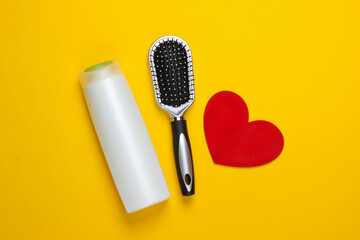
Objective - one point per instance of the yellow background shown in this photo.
(295, 63)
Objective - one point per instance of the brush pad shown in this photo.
(171, 66)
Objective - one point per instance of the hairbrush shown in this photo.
(173, 80)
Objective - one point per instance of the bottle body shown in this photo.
(124, 139)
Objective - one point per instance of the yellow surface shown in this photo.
(296, 64)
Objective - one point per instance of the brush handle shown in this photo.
(183, 157)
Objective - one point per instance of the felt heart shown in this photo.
(233, 140)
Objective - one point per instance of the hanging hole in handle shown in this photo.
(187, 179)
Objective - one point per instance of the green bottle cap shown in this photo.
(98, 66)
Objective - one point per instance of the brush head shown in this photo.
(172, 73)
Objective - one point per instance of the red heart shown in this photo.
(232, 139)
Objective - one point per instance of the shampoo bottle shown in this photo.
(123, 137)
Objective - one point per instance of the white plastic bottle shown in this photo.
(123, 137)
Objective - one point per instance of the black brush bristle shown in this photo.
(171, 65)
